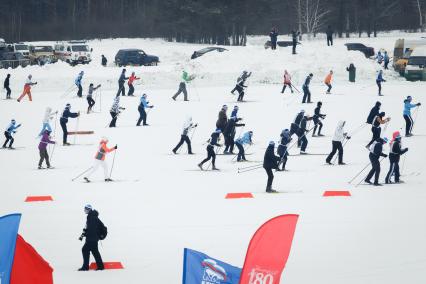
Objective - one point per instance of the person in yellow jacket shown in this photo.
(327, 81)
(100, 159)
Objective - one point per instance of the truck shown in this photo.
(402, 51)
(73, 52)
(416, 66)
(42, 54)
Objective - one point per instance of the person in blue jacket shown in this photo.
(379, 57)
(274, 38)
(376, 151)
(240, 142)
(234, 111)
(282, 150)
(213, 141)
(386, 60)
(64, 120)
(78, 84)
(379, 81)
(8, 133)
(306, 91)
(270, 161)
(407, 115)
(141, 108)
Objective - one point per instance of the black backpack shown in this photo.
(102, 231)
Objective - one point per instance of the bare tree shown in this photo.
(313, 16)
(419, 9)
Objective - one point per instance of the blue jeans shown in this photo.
(46, 126)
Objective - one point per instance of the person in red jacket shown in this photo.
(130, 83)
(100, 159)
(287, 82)
(27, 89)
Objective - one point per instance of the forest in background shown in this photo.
(224, 22)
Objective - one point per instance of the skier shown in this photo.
(78, 84)
(182, 86)
(327, 81)
(104, 61)
(100, 159)
(115, 110)
(91, 232)
(294, 36)
(240, 89)
(375, 127)
(229, 134)
(287, 82)
(339, 136)
(132, 78)
(244, 76)
(395, 153)
(48, 116)
(270, 161)
(294, 127)
(317, 119)
(352, 72)
(234, 111)
(213, 141)
(306, 91)
(27, 89)
(121, 81)
(64, 120)
(222, 119)
(329, 33)
(90, 100)
(8, 133)
(376, 151)
(187, 126)
(282, 150)
(274, 37)
(6, 86)
(301, 134)
(240, 142)
(374, 112)
(386, 60)
(142, 113)
(379, 81)
(379, 57)
(407, 115)
(42, 147)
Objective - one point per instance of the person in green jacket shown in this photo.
(186, 78)
(352, 72)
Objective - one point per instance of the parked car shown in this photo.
(203, 51)
(73, 52)
(416, 66)
(368, 51)
(21, 48)
(13, 60)
(42, 54)
(135, 57)
(401, 63)
(2, 43)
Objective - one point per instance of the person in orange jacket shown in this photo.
(287, 82)
(100, 159)
(327, 81)
(130, 83)
(27, 89)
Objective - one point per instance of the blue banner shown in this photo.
(9, 225)
(199, 268)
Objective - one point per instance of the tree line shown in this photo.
(224, 22)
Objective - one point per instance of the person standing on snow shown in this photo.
(329, 33)
(376, 151)
(294, 36)
(90, 101)
(100, 159)
(64, 120)
(317, 119)
(115, 111)
(339, 136)
(240, 142)
(407, 115)
(240, 89)
(222, 119)
(142, 113)
(295, 125)
(244, 76)
(182, 86)
(78, 84)
(394, 155)
(6, 86)
(373, 113)
(229, 134)
(27, 89)
(379, 57)
(287, 82)
(213, 141)
(327, 81)
(375, 127)
(274, 38)
(282, 150)
(48, 116)
(187, 126)
(306, 91)
(301, 134)
(386, 60)
(130, 83)
(379, 81)
(234, 111)
(121, 82)
(42, 147)
(91, 233)
(352, 72)
(8, 133)
(270, 161)
(104, 61)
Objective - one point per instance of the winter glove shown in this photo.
(384, 155)
(115, 147)
(348, 137)
(98, 86)
(243, 124)
(195, 125)
(151, 106)
(419, 104)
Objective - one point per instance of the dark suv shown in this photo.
(368, 51)
(13, 60)
(135, 57)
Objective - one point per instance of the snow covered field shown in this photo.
(161, 203)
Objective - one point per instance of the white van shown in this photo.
(73, 52)
(416, 66)
(22, 48)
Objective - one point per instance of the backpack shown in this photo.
(102, 231)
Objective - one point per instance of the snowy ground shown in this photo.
(161, 203)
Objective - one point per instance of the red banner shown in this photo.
(268, 251)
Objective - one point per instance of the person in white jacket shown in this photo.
(48, 116)
(339, 136)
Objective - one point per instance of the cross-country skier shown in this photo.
(386, 60)
(243, 77)
(329, 33)
(8, 133)
(240, 142)
(90, 100)
(287, 82)
(317, 119)
(115, 111)
(294, 36)
(407, 115)
(121, 82)
(27, 89)
(375, 127)
(234, 111)
(379, 81)
(100, 159)
(301, 134)
(78, 84)
(104, 61)
(240, 89)
(91, 232)
(142, 113)
(132, 78)
(283, 148)
(42, 147)
(306, 91)
(379, 57)
(295, 125)
(374, 112)
(274, 38)
(48, 116)
(6, 86)
(182, 86)
(339, 136)
(64, 120)
(187, 126)
(376, 151)
(222, 119)
(213, 141)
(394, 155)
(352, 72)
(327, 81)
(270, 161)
(229, 134)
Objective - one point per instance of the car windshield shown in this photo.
(417, 60)
(80, 48)
(43, 48)
(21, 47)
(407, 54)
(141, 53)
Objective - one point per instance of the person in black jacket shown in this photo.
(329, 33)
(282, 150)
(222, 119)
(317, 119)
(91, 233)
(374, 112)
(301, 134)
(376, 151)
(306, 91)
(7, 87)
(294, 36)
(121, 82)
(64, 120)
(240, 89)
(376, 126)
(229, 134)
(274, 38)
(270, 161)
(395, 153)
(210, 150)
(104, 61)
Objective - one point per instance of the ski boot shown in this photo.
(108, 180)
(87, 180)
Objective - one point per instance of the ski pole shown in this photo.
(366, 166)
(291, 84)
(380, 161)
(192, 135)
(343, 147)
(249, 167)
(54, 133)
(245, 149)
(359, 128)
(210, 162)
(415, 118)
(76, 128)
(115, 116)
(82, 173)
(112, 166)
(240, 171)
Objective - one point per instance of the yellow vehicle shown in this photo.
(401, 63)
(402, 51)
